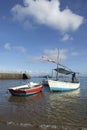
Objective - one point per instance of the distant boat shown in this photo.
(60, 85)
(45, 82)
(27, 89)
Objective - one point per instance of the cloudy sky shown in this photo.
(30, 29)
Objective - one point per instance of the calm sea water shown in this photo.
(45, 110)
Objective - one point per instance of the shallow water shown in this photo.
(45, 110)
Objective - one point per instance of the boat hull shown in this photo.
(62, 85)
(25, 90)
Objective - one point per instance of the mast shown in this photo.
(56, 62)
(57, 77)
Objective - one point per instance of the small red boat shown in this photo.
(25, 90)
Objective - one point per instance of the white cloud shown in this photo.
(53, 54)
(7, 46)
(34, 59)
(20, 48)
(75, 54)
(48, 13)
(66, 37)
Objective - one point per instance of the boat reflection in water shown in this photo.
(27, 99)
(67, 94)
(63, 98)
(65, 108)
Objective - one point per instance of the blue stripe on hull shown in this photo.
(22, 94)
(62, 89)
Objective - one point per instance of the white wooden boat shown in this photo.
(27, 89)
(60, 85)
(63, 85)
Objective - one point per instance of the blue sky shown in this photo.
(31, 29)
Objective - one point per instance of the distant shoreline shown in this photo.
(14, 76)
